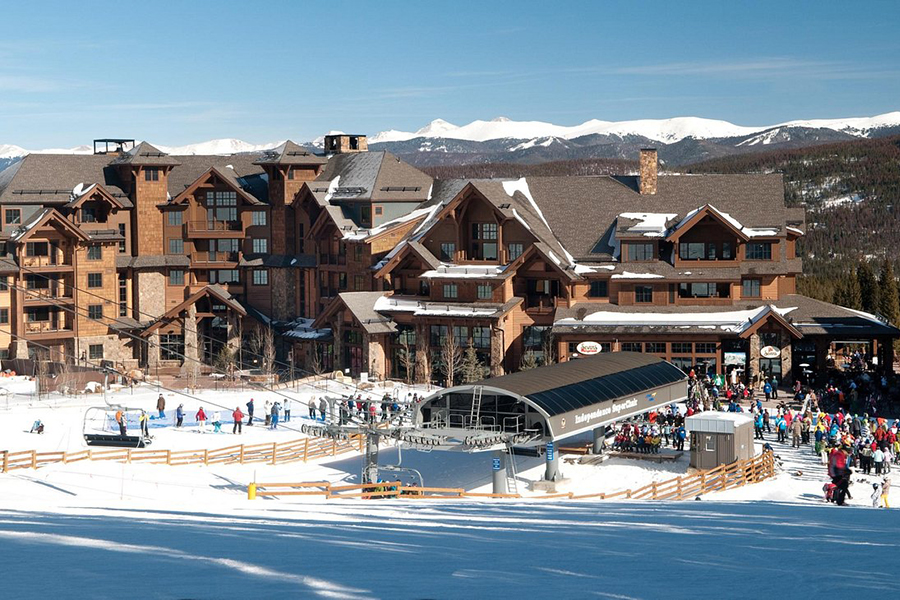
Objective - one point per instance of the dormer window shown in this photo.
(151, 174)
(88, 214)
(13, 216)
(759, 251)
(640, 252)
(484, 241)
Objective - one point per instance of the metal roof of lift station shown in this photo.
(560, 400)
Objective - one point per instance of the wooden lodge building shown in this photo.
(357, 260)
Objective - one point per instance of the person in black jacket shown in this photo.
(250, 412)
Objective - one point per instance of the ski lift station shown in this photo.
(540, 407)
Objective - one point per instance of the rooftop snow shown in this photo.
(735, 321)
(451, 271)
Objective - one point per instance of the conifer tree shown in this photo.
(848, 293)
(868, 287)
(889, 302)
(470, 368)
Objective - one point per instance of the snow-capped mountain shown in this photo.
(660, 130)
(220, 146)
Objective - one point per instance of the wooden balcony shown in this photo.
(47, 263)
(51, 295)
(215, 259)
(215, 229)
(47, 330)
(539, 304)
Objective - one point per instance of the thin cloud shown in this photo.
(28, 84)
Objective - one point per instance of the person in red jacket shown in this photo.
(238, 417)
(840, 473)
(201, 420)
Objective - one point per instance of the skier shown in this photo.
(876, 494)
(179, 415)
(322, 407)
(312, 408)
(201, 420)
(238, 417)
(287, 410)
(120, 419)
(885, 491)
(840, 473)
(217, 424)
(144, 420)
(161, 406)
(268, 413)
(682, 434)
(276, 407)
(250, 412)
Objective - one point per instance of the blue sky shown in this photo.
(181, 72)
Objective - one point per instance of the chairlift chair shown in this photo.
(100, 428)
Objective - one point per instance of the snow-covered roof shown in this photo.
(716, 421)
(451, 271)
(747, 231)
(427, 308)
(734, 321)
(648, 224)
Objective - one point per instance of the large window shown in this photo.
(750, 288)
(95, 352)
(451, 292)
(89, 214)
(176, 277)
(224, 276)
(702, 290)
(4, 316)
(95, 280)
(171, 346)
(260, 277)
(221, 206)
(682, 347)
(484, 241)
(599, 289)
(485, 291)
(643, 294)
(123, 295)
(151, 174)
(515, 250)
(13, 216)
(95, 311)
(122, 241)
(37, 249)
(437, 333)
(260, 245)
(95, 252)
(448, 251)
(176, 246)
(481, 337)
(655, 347)
(175, 218)
(632, 347)
(259, 218)
(638, 252)
(759, 251)
(705, 347)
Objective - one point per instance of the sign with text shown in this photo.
(589, 348)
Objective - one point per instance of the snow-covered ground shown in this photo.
(105, 530)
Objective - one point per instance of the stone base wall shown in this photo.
(281, 284)
(120, 351)
(151, 294)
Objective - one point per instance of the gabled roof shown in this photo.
(362, 306)
(226, 176)
(763, 317)
(49, 179)
(44, 217)
(288, 154)
(215, 291)
(146, 155)
(698, 214)
(95, 190)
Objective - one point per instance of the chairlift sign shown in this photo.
(589, 348)
(769, 352)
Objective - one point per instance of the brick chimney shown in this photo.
(649, 167)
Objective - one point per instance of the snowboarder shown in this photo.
(161, 406)
(238, 417)
(250, 412)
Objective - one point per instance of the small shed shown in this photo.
(719, 438)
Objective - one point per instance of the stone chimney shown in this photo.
(649, 167)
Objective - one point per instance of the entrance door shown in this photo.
(770, 366)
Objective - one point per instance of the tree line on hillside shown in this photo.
(562, 168)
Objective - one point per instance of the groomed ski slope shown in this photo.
(357, 549)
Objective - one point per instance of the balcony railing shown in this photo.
(52, 293)
(210, 229)
(332, 259)
(539, 303)
(45, 261)
(215, 257)
(39, 327)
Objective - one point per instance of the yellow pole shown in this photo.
(251, 491)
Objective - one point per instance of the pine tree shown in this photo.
(868, 287)
(470, 368)
(848, 293)
(889, 302)
(529, 361)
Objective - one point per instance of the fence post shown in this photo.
(169, 457)
(6, 461)
(65, 458)
(702, 482)
(34, 459)
(205, 456)
(274, 446)
(653, 490)
(333, 446)
(305, 449)
(679, 488)
(242, 454)
(128, 456)
(360, 438)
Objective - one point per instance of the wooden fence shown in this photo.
(683, 487)
(305, 449)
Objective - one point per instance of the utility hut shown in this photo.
(719, 438)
